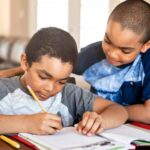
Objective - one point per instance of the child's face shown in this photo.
(121, 46)
(46, 77)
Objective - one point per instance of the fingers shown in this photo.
(54, 117)
(54, 122)
(44, 123)
(91, 124)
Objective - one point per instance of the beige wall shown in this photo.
(4, 17)
(18, 18)
(113, 4)
(74, 20)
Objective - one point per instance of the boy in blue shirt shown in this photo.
(47, 62)
(121, 70)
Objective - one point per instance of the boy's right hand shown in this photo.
(43, 123)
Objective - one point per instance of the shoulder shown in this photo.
(146, 66)
(146, 60)
(77, 100)
(96, 45)
(71, 91)
(94, 49)
(13, 81)
(8, 85)
(88, 56)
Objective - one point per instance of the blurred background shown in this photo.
(20, 19)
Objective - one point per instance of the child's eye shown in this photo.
(43, 77)
(62, 82)
(126, 52)
(106, 41)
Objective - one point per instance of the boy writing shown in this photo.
(47, 63)
(121, 70)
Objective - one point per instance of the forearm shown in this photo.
(39, 123)
(12, 124)
(139, 112)
(11, 72)
(114, 115)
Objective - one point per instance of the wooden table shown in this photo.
(5, 146)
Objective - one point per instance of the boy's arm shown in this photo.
(105, 115)
(11, 72)
(112, 113)
(139, 112)
(40, 123)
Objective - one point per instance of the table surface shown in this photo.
(5, 146)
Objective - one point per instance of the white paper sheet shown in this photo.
(126, 134)
(69, 138)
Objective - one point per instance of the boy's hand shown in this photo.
(43, 123)
(90, 124)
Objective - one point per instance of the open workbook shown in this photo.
(68, 138)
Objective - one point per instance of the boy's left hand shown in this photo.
(91, 124)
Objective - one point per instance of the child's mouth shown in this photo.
(42, 96)
(113, 62)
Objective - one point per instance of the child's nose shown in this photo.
(112, 53)
(49, 86)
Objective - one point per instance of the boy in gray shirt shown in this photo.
(47, 62)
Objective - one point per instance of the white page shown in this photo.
(126, 134)
(70, 138)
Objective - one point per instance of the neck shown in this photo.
(22, 81)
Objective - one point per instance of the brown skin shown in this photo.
(45, 80)
(121, 46)
(48, 77)
(11, 72)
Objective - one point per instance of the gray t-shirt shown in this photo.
(70, 104)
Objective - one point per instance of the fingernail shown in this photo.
(89, 134)
(75, 125)
(79, 130)
(84, 131)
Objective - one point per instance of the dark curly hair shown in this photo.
(53, 42)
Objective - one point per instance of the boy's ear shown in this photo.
(24, 63)
(145, 47)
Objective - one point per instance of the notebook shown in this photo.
(68, 138)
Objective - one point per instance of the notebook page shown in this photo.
(69, 138)
(126, 133)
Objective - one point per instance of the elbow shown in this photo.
(126, 115)
(146, 118)
(123, 114)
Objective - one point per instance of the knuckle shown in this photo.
(94, 114)
(42, 128)
(85, 114)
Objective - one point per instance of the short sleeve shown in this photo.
(77, 100)
(146, 82)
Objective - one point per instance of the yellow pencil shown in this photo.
(10, 141)
(36, 98)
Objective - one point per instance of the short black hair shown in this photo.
(53, 42)
(133, 15)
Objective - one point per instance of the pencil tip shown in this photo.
(28, 86)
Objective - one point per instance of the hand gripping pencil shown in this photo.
(36, 98)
